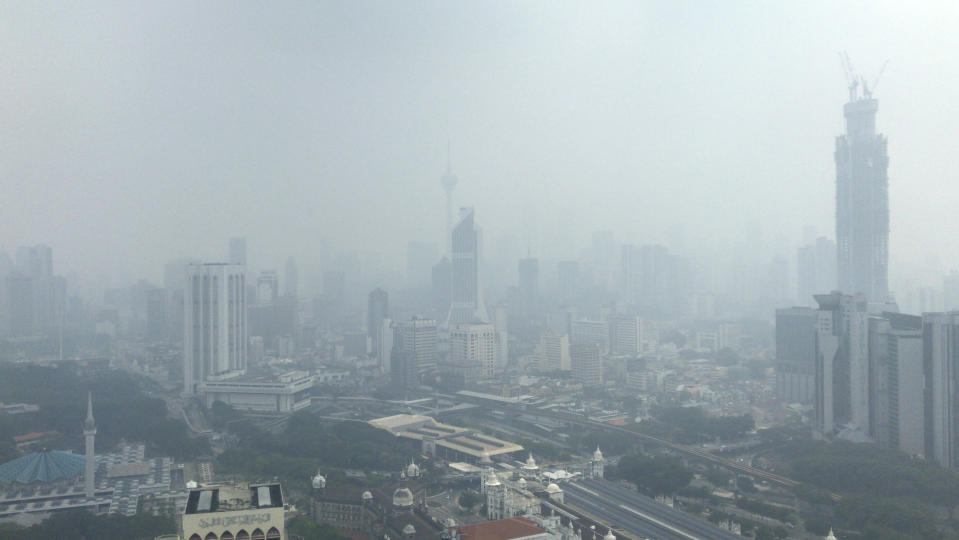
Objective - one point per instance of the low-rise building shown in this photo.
(234, 511)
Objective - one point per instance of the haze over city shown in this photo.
(160, 131)
(526, 270)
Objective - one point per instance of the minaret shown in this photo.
(449, 182)
(89, 431)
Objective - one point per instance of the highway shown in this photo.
(641, 511)
(621, 520)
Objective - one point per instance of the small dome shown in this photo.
(493, 480)
(831, 535)
(598, 454)
(367, 496)
(409, 530)
(486, 458)
(531, 463)
(413, 470)
(319, 481)
(522, 482)
(553, 488)
(403, 498)
(609, 535)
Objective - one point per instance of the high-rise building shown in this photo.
(377, 309)
(417, 339)
(569, 280)
(385, 339)
(842, 363)
(796, 354)
(89, 434)
(941, 404)
(473, 348)
(267, 288)
(501, 324)
(466, 295)
(631, 336)
(554, 352)
(862, 200)
(215, 326)
(897, 382)
(653, 280)
(587, 364)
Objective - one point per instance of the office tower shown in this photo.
(377, 310)
(554, 352)
(403, 372)
(385, 340)
(586, 332)
(267, 287)
(815, 270)
(587, 364)
(46, 292)
(604, 259)
(796, 354)
(417, 338)
(501, 324)
(631, 336)
(862, 200)
(215, 326)
(89, 433)
(897, 385)
(291, 287)
(420, 257)
(940, 334)
(174, 286)
(238, 251)
(466, 295)
(528, 287)
(842, 363)
(448, 181)
(473, 348)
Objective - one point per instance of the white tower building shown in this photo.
(215, 334)
(89, 432)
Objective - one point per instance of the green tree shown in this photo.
(658, 475)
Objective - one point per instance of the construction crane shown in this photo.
(866, 89)
(852, 78)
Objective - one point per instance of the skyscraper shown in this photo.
(416, 338)
(377, 309)
(796, 354)
(897, 382)
(89, 433)
(215, 329)
(842, 362)
(862, 200)
(941, 367)
(466, 295)
(587, 364)
(473, 349)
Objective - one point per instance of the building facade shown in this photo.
(215, 330)
(796, 354)
(466, 295)
(862, 201)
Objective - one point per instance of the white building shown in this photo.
(554, 352)
(587, 364)
(215, 331)
(474, 345)
(286, 393)
(631, 335)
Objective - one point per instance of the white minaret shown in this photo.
(449, 182)
(89, 431)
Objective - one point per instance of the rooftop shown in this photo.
(229, 497)
(41, 467)
(502, 529)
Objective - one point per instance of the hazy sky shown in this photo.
(135, 132)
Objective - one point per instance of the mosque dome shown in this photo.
(413, 470)
(366, 496)
(403, 498)
(47, 466)
(522, 483)
(553, 488)
(409, 529)
(598, 454)
(530, 462)
(609, 535)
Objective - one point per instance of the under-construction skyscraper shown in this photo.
(862, 199)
